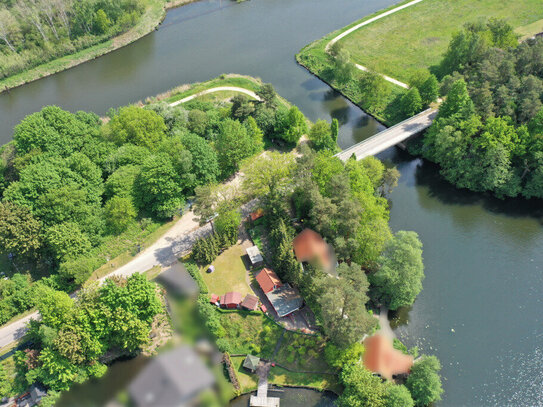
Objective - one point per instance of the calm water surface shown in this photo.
(480, 310)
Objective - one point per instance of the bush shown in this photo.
(227, 226)
(195, 273)
(79, 270)
(205, 250)
(224, 345)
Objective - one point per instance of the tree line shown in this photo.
(33, 32)
(75, 190)
(488, 136)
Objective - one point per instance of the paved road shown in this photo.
(218, 89)
(176, 242)
(390, 137)
(364, 23)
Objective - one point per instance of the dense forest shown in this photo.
(78, 191)
(489, 132)
(36, 31)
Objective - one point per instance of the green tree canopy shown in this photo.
(424, 381)
(19, 229)
(321, 136)
(399, 279)
(227, 225)
(362, 388)
(343, 305)
(158, 186)
(55, 130)
(398, 396)
(205, 164)
(137, 126)
(411, 103)
(66, 241)
(120, 213)
(233, 145)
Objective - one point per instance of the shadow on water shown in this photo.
(427, 175)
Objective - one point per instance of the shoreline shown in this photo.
(380, 120)
(92, 52)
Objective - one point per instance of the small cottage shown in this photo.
(255, 257)
(230, 300)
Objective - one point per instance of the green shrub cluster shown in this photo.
(72, 336)
(195, 273)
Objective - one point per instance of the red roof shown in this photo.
(268, 280)
(231, 298)
(214, 298)
(309, 245)
(250, 302)
(257, 214)
(381, 357)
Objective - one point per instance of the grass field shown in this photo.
(230, 273)
(417, 36)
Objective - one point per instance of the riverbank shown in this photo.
(150, 20)
(380, 48)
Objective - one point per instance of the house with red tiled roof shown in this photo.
(268, 280)
(309, 246)
(380, 357)
(230, 300)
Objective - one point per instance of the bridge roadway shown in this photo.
(390, 137)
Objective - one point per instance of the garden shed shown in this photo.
(250, 302)
(230, 300)
(255, 257)
(251, 363)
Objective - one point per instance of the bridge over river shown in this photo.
(390, 137)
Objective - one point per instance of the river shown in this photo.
(480, 310)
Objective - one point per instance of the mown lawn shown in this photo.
(230, 273)
(223, 80)
(417, 36)
(247, 380)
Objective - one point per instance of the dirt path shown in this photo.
(218, 89)
(364, 23)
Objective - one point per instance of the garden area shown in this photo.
(230, 273)
(249, 332)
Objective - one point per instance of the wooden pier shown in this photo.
(261, 399)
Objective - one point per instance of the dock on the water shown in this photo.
(264, 401)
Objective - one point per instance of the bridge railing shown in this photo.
(380, 134)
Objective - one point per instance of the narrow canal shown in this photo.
(480, 310)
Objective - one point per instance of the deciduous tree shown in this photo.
(399, 279)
